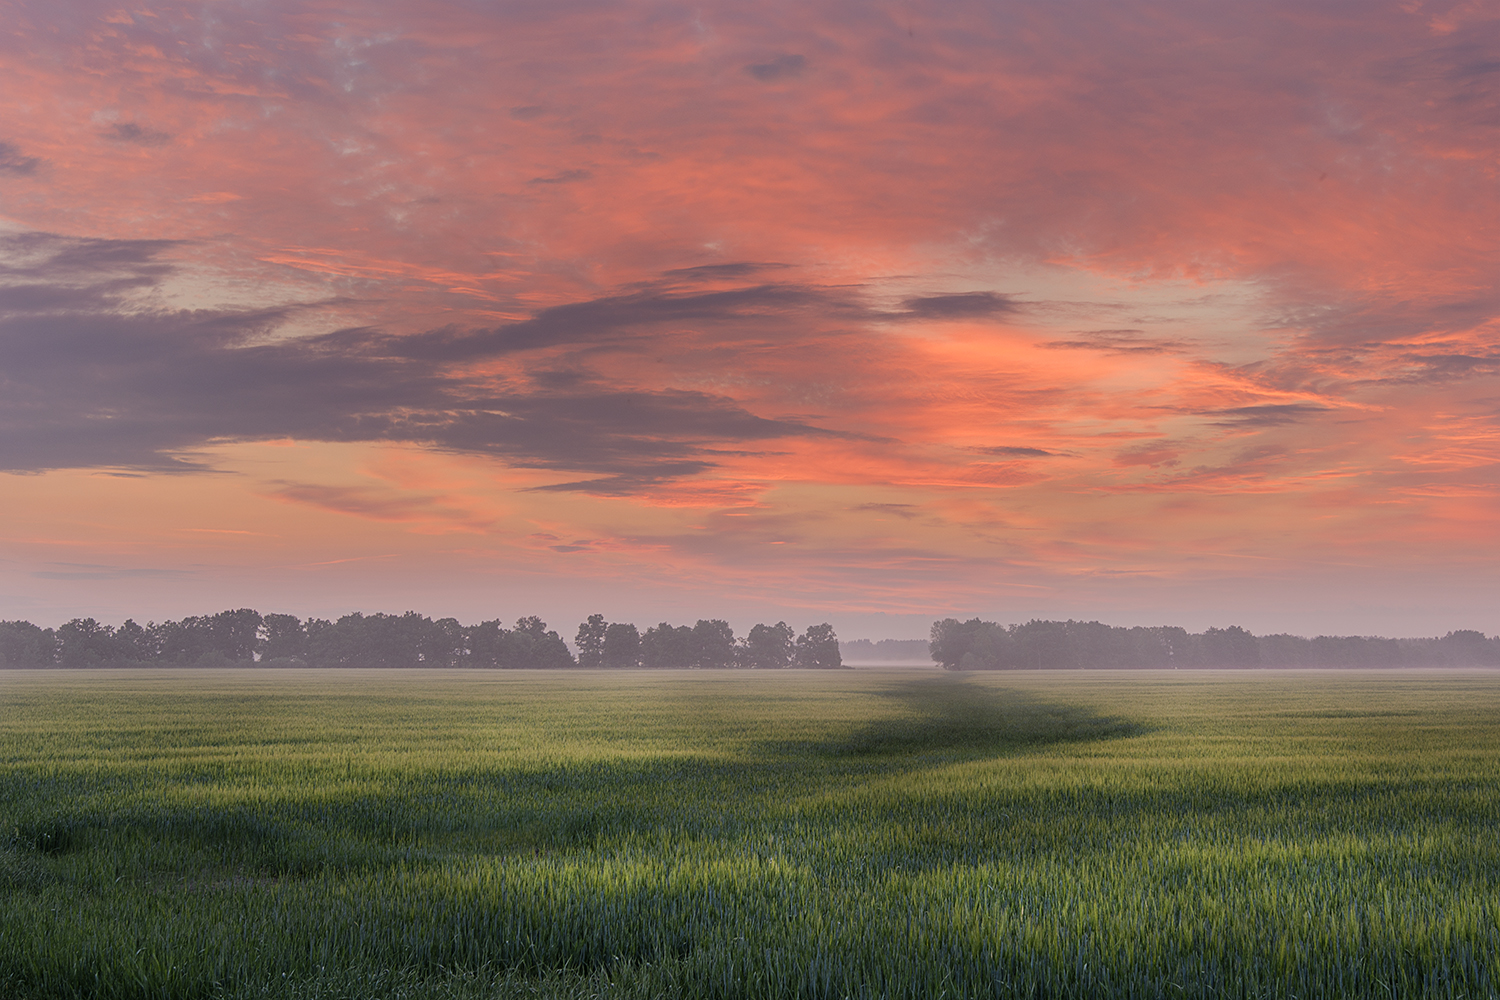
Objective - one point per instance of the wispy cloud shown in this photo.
(93, 571)
(1266, 414)
(137, 134)
(781, 67)
(1017, 451)
(1123, 342)
(15, 163)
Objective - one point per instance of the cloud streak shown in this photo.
(157, 384)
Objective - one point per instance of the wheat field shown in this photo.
(869, 833)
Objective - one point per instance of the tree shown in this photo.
(622, 646)
(1229, 647)
(551, 653)
(1041, 645)
(319, 633)
(23, 644)
(989, 648)
(531, 644)
(485, 643)
(713, 644)
(132, 642)
(1468, 647)
(84, 642)
(667, 647)
(771, 647)
(235, 634)
(951, 639)
(1178, 645)
(227, 636)
(531, 625)
(180, 642)
(445, 644)
(378, 640)
(282, 638)
(819, 647)
(590, 641)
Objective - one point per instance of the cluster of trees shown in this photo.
(710, 644)
(981, 645)
(244, 637)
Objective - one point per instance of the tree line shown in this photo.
(708, 644)
(245, 637)
(1047, 645)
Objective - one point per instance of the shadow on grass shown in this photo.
(556, 810)
(20, 872)
(951, 714)
(50, 836)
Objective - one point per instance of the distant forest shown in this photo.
(246, 638)
(981, 645)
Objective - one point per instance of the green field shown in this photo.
(179, 833)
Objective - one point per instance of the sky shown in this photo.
(1145, 311)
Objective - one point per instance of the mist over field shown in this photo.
(903, 651)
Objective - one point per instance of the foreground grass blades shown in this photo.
(353, 834)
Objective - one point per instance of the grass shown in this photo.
(312, 834)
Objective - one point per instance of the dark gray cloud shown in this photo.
(1011, 451)
(625, 484)
(722, 272)
(959, 306)
(1446, 367)
(1266, 414)
(1120, 342)
(902, 510)
(87, 382)
(1456, 78)
(14, 162)
(364, 503)
(137, 134)
(647, 435)
(1364, 322)
(66, 260)
(610, 319)
(563, 177)
(788, 64)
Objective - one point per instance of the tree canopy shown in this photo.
(1052, 645)
(244, 637)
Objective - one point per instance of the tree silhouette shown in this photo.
(667, 647)
(282, 638)
(819, 647)
(622, 646)
(713, 644)
(590, 641)
(771, 647)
